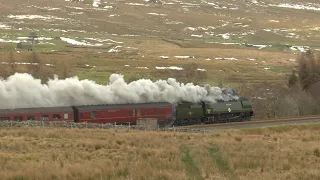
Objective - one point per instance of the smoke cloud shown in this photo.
(23, 91)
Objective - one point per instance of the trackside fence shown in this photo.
(71, 125)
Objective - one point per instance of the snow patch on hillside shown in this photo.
(44, 8)
(183, 57)
(167, 21)
(104, 40)
(96, 3)
(25, 63)
(199, 28)
(199, 69)
(170, 67)
(164, 57)
(142, 67)
(3, 26)
(296, 6)
(74, 42)
(196, 35)
(223, 58)
(115, 49)
(38, 38)
(74, 7)
(62, 30)
(300, 48)
(136, 4)
(225, 36)
(156, 14)
(9, 41)
(47, 17)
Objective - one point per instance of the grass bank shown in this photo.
(284, 152)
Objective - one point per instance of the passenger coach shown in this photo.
(123, 113)
(38, 114)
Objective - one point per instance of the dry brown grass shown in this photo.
(284, 152)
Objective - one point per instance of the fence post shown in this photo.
(158, 127)
(129, 125)
(10, 123)
(42, 124)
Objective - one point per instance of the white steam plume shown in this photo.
(23, 91)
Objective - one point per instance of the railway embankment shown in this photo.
(205, 128)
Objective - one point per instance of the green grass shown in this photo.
(58, 46)
(98, 77)
(87, 1)
(102, 77)
(192, 169)
(220, 161)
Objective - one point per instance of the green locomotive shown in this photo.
(209, 113)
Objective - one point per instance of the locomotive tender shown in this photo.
(167, 114)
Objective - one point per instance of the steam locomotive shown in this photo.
(211, 113)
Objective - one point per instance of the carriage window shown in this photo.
(56, 116)
(66, 116)
(31, 118)
(18, 118)
(44, 117)
(139, 112)
(4, 118)
(133, 113)
(93, 114)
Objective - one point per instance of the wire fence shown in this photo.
(84, 125)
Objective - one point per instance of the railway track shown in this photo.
(256, 122)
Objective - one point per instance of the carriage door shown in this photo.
(76, 114)
(138, 113)
(133, 114)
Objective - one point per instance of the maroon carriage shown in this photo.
(124, 113)
(38, 114)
